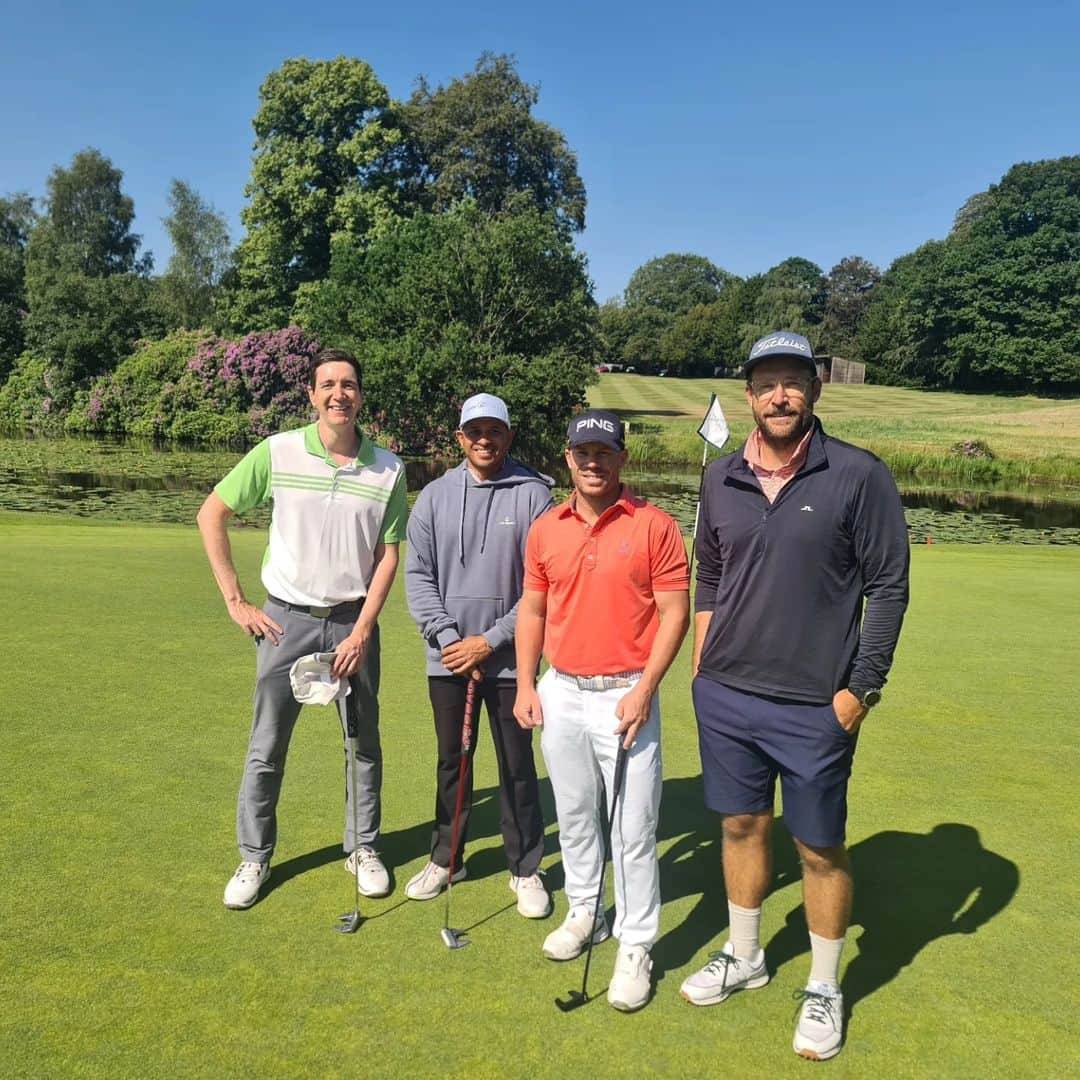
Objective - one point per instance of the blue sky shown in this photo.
(747, 136)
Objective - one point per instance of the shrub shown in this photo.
(135, 399)
(29, 397)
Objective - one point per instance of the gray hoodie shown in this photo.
(466, 559)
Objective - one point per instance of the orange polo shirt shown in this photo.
(601, 580)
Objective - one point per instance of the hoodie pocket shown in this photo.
(474, 614)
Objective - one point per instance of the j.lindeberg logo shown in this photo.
(808, 508)
(507, 520)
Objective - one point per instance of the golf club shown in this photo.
(580, 997)
(456, 939)
(349, 923)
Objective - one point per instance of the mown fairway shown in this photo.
(1041, 434)
(125, 720)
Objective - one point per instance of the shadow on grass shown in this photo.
(284, 872)
(692, 867)
(910, 890)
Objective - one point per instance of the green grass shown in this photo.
(125, 722)
(1033, 439)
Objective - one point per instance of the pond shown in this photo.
(136, 481)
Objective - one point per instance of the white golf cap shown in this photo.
(312, 682)
(484, 405)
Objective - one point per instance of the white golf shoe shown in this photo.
(374, 880)
(533, 901)
(430, 882)
(243, 888)
(631, 983)
(570, 939)
(723, 975)
(819, 1034)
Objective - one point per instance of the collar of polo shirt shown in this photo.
(627, 500)
(313, 445)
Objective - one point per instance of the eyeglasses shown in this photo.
(793, 386)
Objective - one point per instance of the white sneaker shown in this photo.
(630, 985)
(819, 1034)
(430, 882)
(570, 939)
(532, 898)
(243, 888)
(723, 975)
(374, 880)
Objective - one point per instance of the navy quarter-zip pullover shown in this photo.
(786, 582)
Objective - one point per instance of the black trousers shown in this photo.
(519, 793)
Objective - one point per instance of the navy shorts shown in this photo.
(748, 740)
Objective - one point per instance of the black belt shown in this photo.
(313, 609)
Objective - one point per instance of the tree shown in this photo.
(709, 336)
(322, 135)
(88, 291)
(441, 306)
(792, 297)
(676, 283)
(87, 225)
(201, 256)
(848, 288)
(477, 138)
(901, 333)
(16, 220)
(996, 305)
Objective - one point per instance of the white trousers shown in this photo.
(579, 745)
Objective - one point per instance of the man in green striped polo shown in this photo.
(339, 516)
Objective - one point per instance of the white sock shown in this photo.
(825, 960)
(745, 926)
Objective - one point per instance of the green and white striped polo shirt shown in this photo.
(327, 518)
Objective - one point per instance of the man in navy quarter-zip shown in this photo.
(797, 532)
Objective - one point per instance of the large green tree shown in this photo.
(476, 138)
(675, 283)
(441, 306)
(88, 291)
(791, 297)
(323, 131)
(200, 258)
(16, 220)
(996, 305)
(848, 287)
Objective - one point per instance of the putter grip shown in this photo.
(470, 715)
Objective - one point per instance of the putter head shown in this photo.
(574, 1001)
(453, 939)
(349, 923)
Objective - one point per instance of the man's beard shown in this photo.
(786, 442)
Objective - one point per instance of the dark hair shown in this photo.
(334, 356)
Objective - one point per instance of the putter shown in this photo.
(580, 997)
(456, 939)
(350, 922)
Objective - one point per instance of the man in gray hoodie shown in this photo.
(463, 579)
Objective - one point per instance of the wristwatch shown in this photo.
(867, 698)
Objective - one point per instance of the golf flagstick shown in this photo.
(580, 997)
(714, 431)
(455, 939)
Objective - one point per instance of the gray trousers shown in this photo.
(276, 712)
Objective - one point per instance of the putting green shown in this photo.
(125, 722)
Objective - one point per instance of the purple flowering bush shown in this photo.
(206, 389)
(262, 378)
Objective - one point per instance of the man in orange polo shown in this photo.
(607, 601)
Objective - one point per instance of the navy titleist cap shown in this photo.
(781, 343)
(596, 425)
